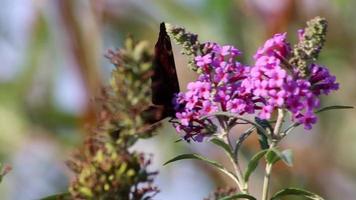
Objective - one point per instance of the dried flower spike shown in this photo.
(189, 42)
(105, 167)
(311, 41)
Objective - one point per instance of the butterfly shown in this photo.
(164, 86)
(164, 80)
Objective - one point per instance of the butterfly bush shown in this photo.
(271, 83)
(218, 88)
(282, 80)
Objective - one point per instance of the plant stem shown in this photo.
(266, 181)
(268, 168)
(277, 127)
(241, 185)
(238, 171)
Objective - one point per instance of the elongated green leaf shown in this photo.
(253, 163)
(192, 156)
(238, 196)
(296, 192)
(336, 107)
(206, 160)
(262, 137)
(219, 142)
(61, 196)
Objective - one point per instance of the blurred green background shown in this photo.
(53, 65)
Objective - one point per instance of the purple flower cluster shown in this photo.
(269, 79)
(227, 85)
(218, 88)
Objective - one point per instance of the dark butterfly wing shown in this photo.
(164, 79)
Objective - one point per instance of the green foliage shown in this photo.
(193, 156)
(206, 160)
(239, 196)
(327, 108)
(273, 155)
(262, 137)
(336, 107)
(253, 163)
(296, 192)
(226, 147)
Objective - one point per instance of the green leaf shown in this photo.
(238, 196)
(296, 192)
(61, 196)
(201, 158)
(253, 163)
(192, 156)
(274, 155)
(219, 142)
(336, 107)
(262, 137)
